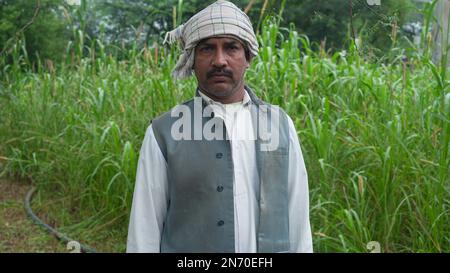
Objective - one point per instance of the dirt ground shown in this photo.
(17, 232)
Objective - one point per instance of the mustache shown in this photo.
(219, 72)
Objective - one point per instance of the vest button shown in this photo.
(220, 223)
(219, 155)
(219, 188)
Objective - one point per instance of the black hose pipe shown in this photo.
(62, 237)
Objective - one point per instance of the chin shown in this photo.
(220, 90)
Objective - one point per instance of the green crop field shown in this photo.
(374, 135)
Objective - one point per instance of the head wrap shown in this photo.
(222, 18)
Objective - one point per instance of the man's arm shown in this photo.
(299, 226)
(150, 198)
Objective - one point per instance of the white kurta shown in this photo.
(151, 190)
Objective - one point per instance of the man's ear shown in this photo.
(248, 62)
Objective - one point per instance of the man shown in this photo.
(211, 177)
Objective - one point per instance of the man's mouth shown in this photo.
(220, 77)
(216, 75)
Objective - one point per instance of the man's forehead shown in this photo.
(217, 39)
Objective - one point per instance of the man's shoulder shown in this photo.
(161, 124)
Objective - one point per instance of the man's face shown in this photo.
(219, 66)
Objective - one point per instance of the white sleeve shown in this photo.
(299, 226)
(150, 198)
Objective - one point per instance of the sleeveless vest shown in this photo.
(200, 215)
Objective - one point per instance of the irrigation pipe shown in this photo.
(61, 236)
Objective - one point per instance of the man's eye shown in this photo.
(206, 49)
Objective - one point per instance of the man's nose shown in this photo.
(219, 59)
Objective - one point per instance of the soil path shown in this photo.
(17, 232)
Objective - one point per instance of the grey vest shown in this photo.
(200, 215)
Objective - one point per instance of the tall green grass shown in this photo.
(374, 136)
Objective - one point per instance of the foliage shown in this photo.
(375, 137)
(41, 23)
(128, 23)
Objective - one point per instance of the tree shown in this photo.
(146, 20)
(124, 22)
(337, 20)
(40, 23)
(318, 19)
(441, 32)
